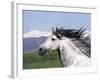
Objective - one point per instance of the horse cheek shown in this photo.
(48, 45)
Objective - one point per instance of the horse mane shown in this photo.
(75, 36)
(69, 33)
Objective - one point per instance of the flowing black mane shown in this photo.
(75, 36)
(69, 33)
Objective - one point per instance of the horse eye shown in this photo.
(53, 39)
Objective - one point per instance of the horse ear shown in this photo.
(52, 30)
(57, 29)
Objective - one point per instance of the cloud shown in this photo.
(37, 33)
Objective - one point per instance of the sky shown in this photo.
(45, 20)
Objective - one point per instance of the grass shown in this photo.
(35, 61)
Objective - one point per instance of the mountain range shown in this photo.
(32, 44)
(33, 39)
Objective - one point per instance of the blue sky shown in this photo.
(42, 20)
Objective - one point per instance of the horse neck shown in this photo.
(68, 52)
(68, 47)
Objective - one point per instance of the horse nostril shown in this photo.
(40, 49)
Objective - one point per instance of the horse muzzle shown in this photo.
(42, 51)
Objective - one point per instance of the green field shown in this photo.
(34, 60)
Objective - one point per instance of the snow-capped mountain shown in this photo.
(36, 33)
